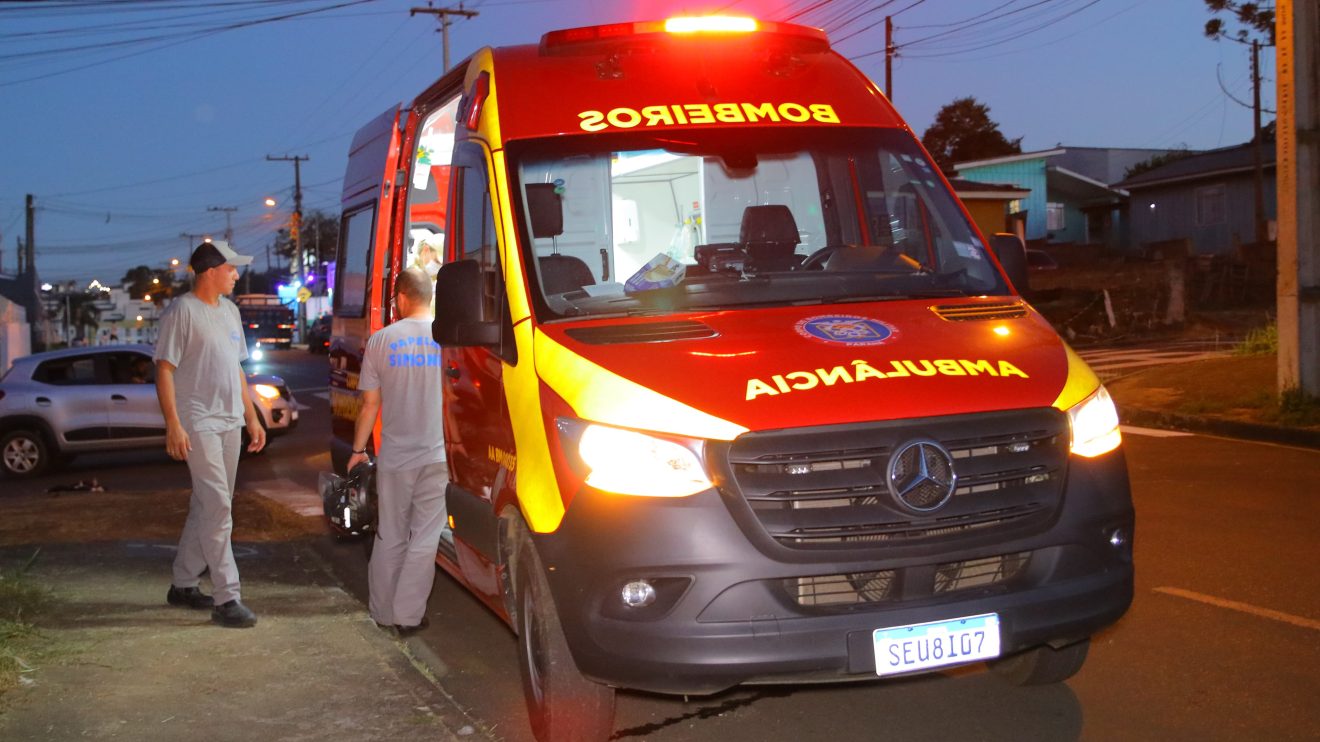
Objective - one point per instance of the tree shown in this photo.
(964, 131)
(320, 238)
(142, 281)
(1251, 16)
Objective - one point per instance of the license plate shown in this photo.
(936, 644)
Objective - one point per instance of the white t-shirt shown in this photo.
(205, 344)
(403, 362)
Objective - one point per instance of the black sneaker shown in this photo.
(189, 597)
(410, 630)
(233, 615)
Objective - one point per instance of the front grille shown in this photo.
(973, 312)
(953, 576)
(840, 590)
(912, 583)
(826, 488)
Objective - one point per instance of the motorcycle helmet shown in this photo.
(350, 502)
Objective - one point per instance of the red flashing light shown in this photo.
(715, 26)
(476, 99)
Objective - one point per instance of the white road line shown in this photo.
(1234, 605)
(311, 389)
(1152, 432)
(298, 499)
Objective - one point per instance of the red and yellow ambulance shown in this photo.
(736, 392)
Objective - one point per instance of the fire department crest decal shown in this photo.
(846, 329)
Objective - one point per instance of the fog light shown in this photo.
(638, 594)
(1117, 538)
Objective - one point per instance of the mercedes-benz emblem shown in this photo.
(921, 476)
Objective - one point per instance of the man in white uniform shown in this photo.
(203, 395)
(402, 381)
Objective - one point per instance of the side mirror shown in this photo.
(1012, 255)
(460, 307)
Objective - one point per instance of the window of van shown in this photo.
(354, 259)
(428, 194)
(622, 223)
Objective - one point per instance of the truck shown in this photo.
(735, 391)
(267, 322)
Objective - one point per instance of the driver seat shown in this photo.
(769, 235)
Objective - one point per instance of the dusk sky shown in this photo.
(125, 143)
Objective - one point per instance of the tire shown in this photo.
(24, 453)
(561, 704)
(1042, 665)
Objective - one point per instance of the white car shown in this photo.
(56, 405)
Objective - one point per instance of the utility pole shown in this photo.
(29, 240)
(889, 57)
(229, 227)
(1262, 231)
(295, 225)
(1297, 23)
(443, 15)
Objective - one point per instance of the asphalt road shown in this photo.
(1222, 641)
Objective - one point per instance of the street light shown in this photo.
(270, 201)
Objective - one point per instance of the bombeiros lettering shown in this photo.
(681, 114)
(862, 370)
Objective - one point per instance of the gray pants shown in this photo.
(411, 507)
(213, 464)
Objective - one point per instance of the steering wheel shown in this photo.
(816, 260)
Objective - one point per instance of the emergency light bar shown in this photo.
(714, 26)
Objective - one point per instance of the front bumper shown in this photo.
(727, 616)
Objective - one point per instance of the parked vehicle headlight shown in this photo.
(630, 463)
(266, 391)
(1094, 423)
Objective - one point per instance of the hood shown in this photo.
(807, 366)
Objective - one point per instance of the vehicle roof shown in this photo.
(66, 352)
(531, 85)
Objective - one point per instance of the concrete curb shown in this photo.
(1226, 428)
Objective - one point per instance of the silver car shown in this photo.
(59, 404)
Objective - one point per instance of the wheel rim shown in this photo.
(533, 649)
(21, 455)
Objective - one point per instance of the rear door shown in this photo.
(71, 395)
(360, 305)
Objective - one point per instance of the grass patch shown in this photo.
(1259, 341)
(21, 599)
(1239, 387)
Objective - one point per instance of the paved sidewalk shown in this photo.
(124, 665)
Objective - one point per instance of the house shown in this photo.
(1070, 199)
(19, 309)
(1207, 198)
(989, 203)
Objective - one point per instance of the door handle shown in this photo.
(43, 401)
(118, 398)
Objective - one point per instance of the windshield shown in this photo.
(631, 225)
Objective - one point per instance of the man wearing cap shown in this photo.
(203, 395)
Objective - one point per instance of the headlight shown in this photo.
(629, 463)
(256, 354)
(266, 391)
(1094, 423)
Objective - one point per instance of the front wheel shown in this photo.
(24, 453)
(562, 704)
(1042, 665)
